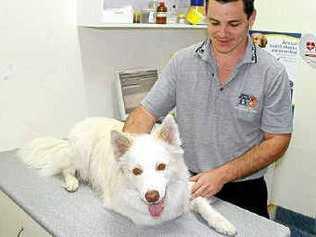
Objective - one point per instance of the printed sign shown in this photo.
(284, 46)
(308, 49)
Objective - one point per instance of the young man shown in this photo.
(233, 108)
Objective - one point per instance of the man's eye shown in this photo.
(234, 24)
(137, 171)
(214, 23)
(161, 167)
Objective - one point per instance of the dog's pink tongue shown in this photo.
(155, 210)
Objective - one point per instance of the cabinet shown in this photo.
(14, 222)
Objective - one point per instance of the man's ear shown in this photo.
(121, 143)
(168, 131)
(252, 19)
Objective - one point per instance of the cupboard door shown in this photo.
(15, 222)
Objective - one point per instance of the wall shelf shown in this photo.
(89, 15)
(144, 26)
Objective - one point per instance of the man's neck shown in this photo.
(226, 62)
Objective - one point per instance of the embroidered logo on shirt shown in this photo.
(249, 101)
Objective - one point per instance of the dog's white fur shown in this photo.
(142, 177)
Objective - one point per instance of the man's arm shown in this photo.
(260, 156)
(139, 120)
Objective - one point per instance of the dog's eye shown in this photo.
(161, 167)
(137, 171)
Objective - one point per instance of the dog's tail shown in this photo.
(47, 154)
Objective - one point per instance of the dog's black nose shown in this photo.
(152, 196)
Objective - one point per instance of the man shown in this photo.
(233, 108)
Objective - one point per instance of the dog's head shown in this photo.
(149, 161)
(259, 40)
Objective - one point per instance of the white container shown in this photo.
(148, 16)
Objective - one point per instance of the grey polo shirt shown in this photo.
(218, 123)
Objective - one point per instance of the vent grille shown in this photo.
(134, 86)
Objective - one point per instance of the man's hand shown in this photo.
(139, 120)
(207, 183)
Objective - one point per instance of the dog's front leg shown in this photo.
(213, 218)
(71, 182)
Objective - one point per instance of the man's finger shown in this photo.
(195, 177)
(207, 192)
(195, 187)
(199, 192)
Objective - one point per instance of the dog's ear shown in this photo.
(168, 131)
(121, 143)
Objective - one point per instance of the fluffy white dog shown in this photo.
(142, 177)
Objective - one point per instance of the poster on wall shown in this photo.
(308, 49)
(285, 47)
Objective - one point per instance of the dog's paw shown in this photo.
(72, 185)
(225, 227)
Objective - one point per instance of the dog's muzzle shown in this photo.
(155, 208)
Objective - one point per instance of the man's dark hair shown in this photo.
(248, 5)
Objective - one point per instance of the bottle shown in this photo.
(172, 15)
(152, 8)
(137, 16)
(181, 18)
(161, 13)
(196, 12)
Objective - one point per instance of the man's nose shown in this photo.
(222, 31)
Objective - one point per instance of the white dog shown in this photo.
(142, 177)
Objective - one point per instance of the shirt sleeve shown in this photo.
(277, 116)
(161, 99)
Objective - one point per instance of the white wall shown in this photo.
(105, 51)
(41, 82)
(44, 89)
(295, 176)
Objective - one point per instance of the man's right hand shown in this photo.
(139, 120)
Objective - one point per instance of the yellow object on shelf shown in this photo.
(196, 15)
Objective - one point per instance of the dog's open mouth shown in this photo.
(156, 209)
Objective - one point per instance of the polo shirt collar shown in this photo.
(204, 52)
(251, 53)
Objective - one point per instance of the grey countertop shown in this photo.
(82, 214)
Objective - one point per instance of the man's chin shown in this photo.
(224, 49)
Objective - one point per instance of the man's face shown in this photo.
(228, 26)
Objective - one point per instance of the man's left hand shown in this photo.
(207, 184)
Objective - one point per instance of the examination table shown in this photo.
(54, 212)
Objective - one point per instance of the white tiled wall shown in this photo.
(294, 179)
